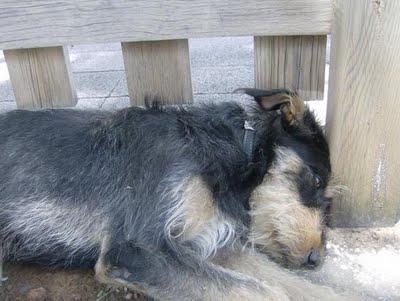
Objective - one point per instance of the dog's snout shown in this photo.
(313, 258)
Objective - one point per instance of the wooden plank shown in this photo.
(295, 62)
(158, 69)
(41, 77)
(28, 23)
(364, 112)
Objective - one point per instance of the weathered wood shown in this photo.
(41, 77)
(295, 62)
(28, 24)
(158, 69)
(364, 112)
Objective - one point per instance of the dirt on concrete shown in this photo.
(34, 283)
(365, 262)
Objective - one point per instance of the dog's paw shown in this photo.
(121, 273)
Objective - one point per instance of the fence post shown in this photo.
(295, 62)
(158, 69)
(364, 112)
(41, 77)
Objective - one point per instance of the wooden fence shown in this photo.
(290, 43)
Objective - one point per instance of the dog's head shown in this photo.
(289, 208)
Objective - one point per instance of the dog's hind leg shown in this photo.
(2, 279)
(259, 266)
(162, 276)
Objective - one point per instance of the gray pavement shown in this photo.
(218, 66)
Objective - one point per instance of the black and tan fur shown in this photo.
(165, 200)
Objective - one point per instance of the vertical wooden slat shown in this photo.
(363, 111)
(41, 77)
(158, 69)
(295, 62)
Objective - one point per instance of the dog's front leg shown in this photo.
(164, 277)
(259, 266)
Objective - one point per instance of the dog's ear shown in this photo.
(293, 111)
(268, 99)
(289, 103)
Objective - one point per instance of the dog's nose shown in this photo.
(313, 258)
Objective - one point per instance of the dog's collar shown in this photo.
(248, 139)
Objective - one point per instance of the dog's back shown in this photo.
(70, 177)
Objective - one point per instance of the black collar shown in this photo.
(248, 139)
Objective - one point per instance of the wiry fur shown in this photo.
(164, 199)
(281, 225)
(44, 223)
(284, 284)
(194, 219)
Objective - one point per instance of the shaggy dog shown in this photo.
(177, 203)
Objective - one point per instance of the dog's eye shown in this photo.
(317, 181)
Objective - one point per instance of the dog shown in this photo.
(204, 202)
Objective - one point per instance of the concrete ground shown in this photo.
(365, 262)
